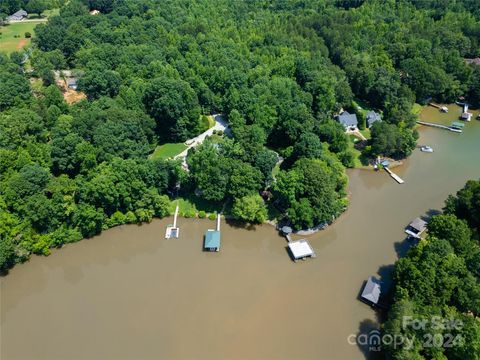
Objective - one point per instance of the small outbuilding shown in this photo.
(212, 240)
(372, 117)
(372, 291)
(385, 163)
(300, 250)
(72, 83)
(416, 228)
(286, 230)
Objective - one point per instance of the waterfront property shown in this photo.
(416, 228)
(372, 291)
(300, 250)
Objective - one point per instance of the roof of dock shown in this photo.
(300, 249)
(212, 239)
(418, 224)
(371, 291)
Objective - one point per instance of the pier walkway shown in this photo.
(173, 230)
(394, 176)
(449, 128)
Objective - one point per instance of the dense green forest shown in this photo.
(278, 70)
(440, 278)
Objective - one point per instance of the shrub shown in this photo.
(130, 217)
(28, 35)
(190, 213)
(212, 216)
(202, 214)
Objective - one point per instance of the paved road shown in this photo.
(220, 125)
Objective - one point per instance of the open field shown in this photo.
(8, 40)
(167, 151)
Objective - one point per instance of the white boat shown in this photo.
(444, 109)
(427, 149)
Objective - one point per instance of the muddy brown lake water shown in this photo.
(130, 294)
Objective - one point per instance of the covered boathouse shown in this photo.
(300, 250)
(372, 290)
(416, 228)
(212, 240)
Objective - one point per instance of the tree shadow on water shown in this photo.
(368, 339)
(237, 224)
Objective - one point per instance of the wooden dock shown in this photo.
(173, 230)
(394, 176)
(435, 105)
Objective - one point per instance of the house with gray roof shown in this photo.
(372, 117)
(19, 15)
(349, 121)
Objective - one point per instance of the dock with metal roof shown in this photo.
(416, 228)
(300, 250)
(212, 238)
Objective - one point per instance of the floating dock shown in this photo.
(172, 231)
(394, 176)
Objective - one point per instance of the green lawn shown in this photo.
(366, 133)
(167, 151)
(357, 154)
(9, 43)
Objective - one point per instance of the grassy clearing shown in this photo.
(417, 109)
(12, 36)
(167, 151)
(366, 133)
(190, 206)
(361, 106)
(359, 160)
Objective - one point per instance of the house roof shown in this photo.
(212, 239)
(418, 224)
(300, 249)
(19, 13)
(475, 61)
(286, 229)
(372, 290)
(347, 119)
(372, 116)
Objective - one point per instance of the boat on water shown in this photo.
(426, 149)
